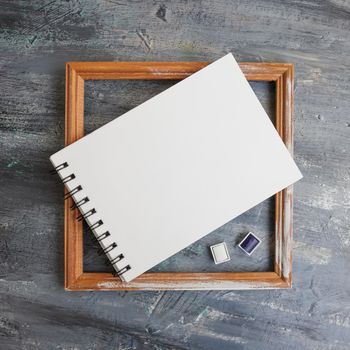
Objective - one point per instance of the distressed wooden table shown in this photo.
(36, 38)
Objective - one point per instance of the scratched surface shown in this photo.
(36, 38)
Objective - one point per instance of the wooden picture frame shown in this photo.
(77, 280)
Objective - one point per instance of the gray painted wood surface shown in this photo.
(36, 38)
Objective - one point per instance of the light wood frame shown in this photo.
(76, 279)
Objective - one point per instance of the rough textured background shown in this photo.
(36, 38)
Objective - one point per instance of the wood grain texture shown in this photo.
(37, 38)
(281, 277)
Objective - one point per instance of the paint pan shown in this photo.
(249, 243)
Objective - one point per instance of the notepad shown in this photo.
(175, 168)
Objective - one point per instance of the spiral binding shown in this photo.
(68, 178)
(80, 203)
(82, 217)
(95, 225)
(58, 168)
(103, 236)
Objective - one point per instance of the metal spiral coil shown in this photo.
(72, 192)
(115, 260)
(94, 226)
(68, 178)
(80, 203)
(122, 271)
(58, 168)
(107, 249)
(84, 216)
(102, 236)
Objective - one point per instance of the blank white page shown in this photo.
(178, 166)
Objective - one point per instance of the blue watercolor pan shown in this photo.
(249, 243)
